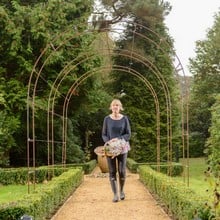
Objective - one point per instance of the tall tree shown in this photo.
(145, 18)
(205, 68)
(26, 28)
(213, 147)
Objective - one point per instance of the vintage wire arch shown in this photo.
(33, 108)
(107, 53)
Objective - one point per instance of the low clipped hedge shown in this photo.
(87, 167)
(179, 200)
(43, 202)
(20, 175)
(173, 169)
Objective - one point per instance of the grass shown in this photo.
(13, 192)
(197, 181)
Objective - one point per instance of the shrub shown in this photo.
(178, 199)
(173, 169)
(44, 201)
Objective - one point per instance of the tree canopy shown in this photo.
(138, 100)
(205, 68)
(26, 29)
(61, 26)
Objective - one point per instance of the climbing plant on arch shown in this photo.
(72, 75)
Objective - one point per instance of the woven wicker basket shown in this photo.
(101, 158)
(103, 165)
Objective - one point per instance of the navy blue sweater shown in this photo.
(116, 128)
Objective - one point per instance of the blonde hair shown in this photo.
(118, 102)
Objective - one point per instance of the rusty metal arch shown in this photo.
(31, 102)
(147, 63)
(121, 69)
(78, 82)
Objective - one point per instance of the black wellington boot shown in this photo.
(114, 190)
(122, 194)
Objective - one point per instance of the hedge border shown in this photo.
(176, 168)
(19, 175)
(179, 200)
(43, 202)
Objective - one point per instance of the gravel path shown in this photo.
(92, 200)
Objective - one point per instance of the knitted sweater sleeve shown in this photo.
(105, 137)
(127, 133)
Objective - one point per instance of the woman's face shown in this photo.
(115, 107)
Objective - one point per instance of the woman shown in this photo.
(116, 126)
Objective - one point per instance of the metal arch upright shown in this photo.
(64, 73)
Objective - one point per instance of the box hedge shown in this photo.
(178, 199)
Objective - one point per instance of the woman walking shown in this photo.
(116, 133)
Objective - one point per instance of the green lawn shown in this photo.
(13, 192)
(197, 181)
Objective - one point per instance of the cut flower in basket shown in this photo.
(115, 147)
